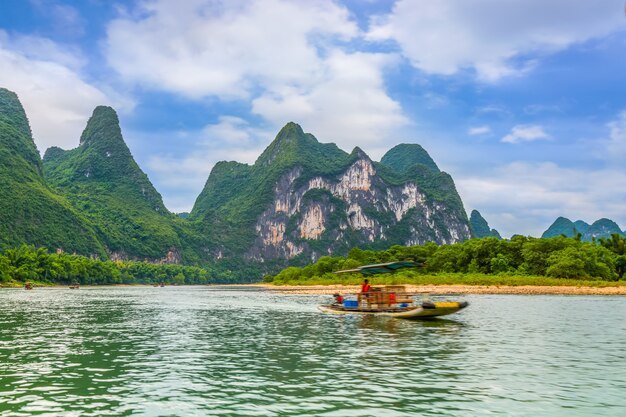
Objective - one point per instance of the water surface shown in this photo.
(201, 351)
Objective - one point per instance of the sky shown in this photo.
(523, 102)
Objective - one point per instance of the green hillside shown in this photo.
(401, 157)
(561, 226)
(29, 211)
(103, 182)
(480, 227)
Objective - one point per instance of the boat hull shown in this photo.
(436, 309)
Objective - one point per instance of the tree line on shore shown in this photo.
(27, 263)
(557, 257)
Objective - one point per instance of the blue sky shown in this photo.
(522, 102)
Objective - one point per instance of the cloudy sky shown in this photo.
(523, 102)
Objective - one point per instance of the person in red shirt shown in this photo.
(338, 298)
(365, 287)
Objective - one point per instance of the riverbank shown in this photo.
(454, 289)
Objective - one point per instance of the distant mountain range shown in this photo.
(602, 228)
(300, 200)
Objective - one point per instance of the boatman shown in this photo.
(365, 290)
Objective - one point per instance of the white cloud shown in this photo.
(525, 198)
(525, 133)
(47, 80)
(199, 48)
(284, 57)
(349, 107)
(479, 130)
(493, 37)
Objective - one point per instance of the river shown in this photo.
(233, 351)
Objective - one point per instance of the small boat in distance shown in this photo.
(28, 286)
(390, 300)
(74, 286)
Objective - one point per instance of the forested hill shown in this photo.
(103, 182)
(30, 212)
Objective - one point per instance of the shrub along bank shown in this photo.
(488, 261)
(27, 263)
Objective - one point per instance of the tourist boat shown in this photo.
(74, 286)
(426, 309)
(391, 300)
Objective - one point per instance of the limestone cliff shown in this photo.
(304, 199)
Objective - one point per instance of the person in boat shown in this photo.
(365, 290)
(365, 287)
(338, 298)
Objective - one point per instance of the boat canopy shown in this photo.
(381, 268)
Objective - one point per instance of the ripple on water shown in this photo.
(206, 351)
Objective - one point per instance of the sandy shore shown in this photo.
(453, 289)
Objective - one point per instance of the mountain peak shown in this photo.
(561, 226)
(12, 112)
(401, 157)
(103, 125)
(290, 130)
(480, 227)
(293, 146)
(359, 153)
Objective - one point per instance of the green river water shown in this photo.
(204, 351)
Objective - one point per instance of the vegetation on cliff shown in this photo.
(104, 183)
(236, 195)
(402, 157)
(480, 227)
(30, 212)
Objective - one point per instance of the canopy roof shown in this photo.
(381, 268)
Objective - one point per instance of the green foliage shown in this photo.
(27, 263)
(402, 157)
(29, 211)
(480, 227)
(558, 257)
(617, 245)
(102, 181)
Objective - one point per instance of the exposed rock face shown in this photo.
(303, 199)
(354, 207)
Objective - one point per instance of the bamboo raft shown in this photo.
(391, 300)
(394, 301)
